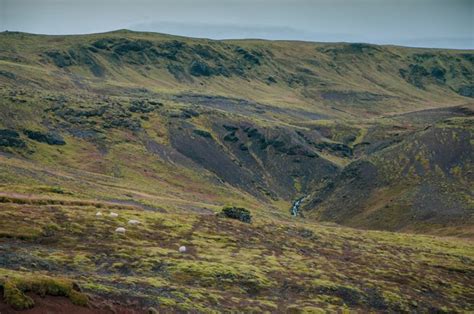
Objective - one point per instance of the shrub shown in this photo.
(238, 213)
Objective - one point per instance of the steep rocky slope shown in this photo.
(419, 181)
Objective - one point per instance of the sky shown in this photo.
(419, 23)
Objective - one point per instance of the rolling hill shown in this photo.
(375, 140)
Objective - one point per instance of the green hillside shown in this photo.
(168, 130)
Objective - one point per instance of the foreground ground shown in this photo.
(268, 265)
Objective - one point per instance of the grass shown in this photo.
(312, 265)
(133, 163)
(15, 285)
(296, 87)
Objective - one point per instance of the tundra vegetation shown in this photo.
(143, 171)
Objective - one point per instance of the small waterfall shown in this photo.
(296, 206)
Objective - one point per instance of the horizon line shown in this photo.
(238, 39)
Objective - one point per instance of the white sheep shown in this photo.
(120, 230)
(98, 214)
(112, 214)
(133, 222)
(182, 249)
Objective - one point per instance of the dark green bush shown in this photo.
(238, 213)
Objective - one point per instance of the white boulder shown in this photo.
(98, 214)
(120, 230)
(112, 214)
(133, 222)
(182, 249)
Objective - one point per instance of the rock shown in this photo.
(202, 133)
(98, 214)
(177, 71)
(248, 56)
(182, 249)
(231, 138)
(10, 138)
(205, 52)
(133, 222)
(243, 147)
(414, 75)
(438, 74)
(7, 74)
(48, 138)
(337, 148)
(271, 80)
(171, 49)
(120, 230)
(199, 68)
(103, 43)
(9, 133)
(229, 127)
(189, 113)
(112, 214)
(128, 46)
(143, 106)
(60, 58)
(466, 91)
(253, 133)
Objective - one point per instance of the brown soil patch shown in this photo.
(54, 304)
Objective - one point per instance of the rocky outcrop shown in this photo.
(11, 138)
(48, 138)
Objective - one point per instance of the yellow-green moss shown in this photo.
(15, 297)
(15, 288)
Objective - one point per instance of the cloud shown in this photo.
(428, 23)
(232, 31)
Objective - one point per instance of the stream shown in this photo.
(296, 206)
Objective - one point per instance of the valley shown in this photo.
(354, 160)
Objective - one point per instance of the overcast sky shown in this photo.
(424, 23)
